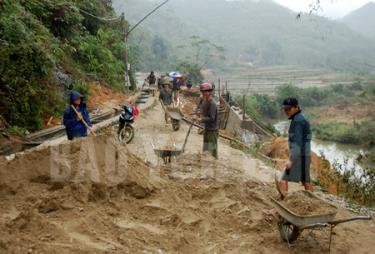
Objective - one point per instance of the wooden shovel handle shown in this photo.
(84, 122)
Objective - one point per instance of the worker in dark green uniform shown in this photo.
(297, 168)
(209, 117)
(165, 96)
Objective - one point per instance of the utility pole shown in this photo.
(243, 107)
(126, 73)
(244, 98)
(219, 81)
(127, 33)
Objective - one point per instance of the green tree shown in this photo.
(192, 71)
(201, 52)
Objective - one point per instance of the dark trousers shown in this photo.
(210, 142)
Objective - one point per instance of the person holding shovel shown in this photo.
(76, 117)
(165, 96)
(209, 117)
(297, 169)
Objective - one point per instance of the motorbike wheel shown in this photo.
(126, 134)
(175, 125)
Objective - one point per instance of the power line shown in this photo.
(105, 19)
(148, 15)
(100, 18)
(127, 69)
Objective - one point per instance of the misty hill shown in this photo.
(257, 33)
(362, 20)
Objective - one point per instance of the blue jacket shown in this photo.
(300, 136)
(74, 128)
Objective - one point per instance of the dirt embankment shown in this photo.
(94, 196)
(101, 97)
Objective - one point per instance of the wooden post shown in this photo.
(126, 57)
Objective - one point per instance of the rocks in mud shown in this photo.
(3, 245)
(98, 192)
(49, 205)
(80, 192)
(67, 205)
(137, 191)
(22, 220)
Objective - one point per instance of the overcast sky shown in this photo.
(331, 8)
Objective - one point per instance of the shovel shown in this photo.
(84, 122)
(191, 126)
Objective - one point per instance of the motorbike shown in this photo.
(126, 130)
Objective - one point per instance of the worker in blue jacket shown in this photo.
(74, 119)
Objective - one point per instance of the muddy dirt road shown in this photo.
(95, 195)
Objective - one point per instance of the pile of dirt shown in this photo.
(94, 196)
(88, 166)
(67, 199)
(303, 205)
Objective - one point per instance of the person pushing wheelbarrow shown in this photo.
(165, 97)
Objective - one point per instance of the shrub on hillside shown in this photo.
(25, 67)
(38, 37)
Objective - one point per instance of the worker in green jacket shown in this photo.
(165, 96)
(209, 117)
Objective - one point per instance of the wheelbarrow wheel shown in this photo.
(288, 232)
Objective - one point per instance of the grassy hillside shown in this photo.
(362, 20)
(51, 46)
(260, 33)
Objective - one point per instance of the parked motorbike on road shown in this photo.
(126, 130)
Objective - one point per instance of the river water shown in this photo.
(341, 157)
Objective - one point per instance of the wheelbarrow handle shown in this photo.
(336, 222)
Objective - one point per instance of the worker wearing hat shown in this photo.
(297, 168)
(165, 95)
(76, 117)
(209, 117)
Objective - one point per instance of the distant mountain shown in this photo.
(257, 32)
(362, 20)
